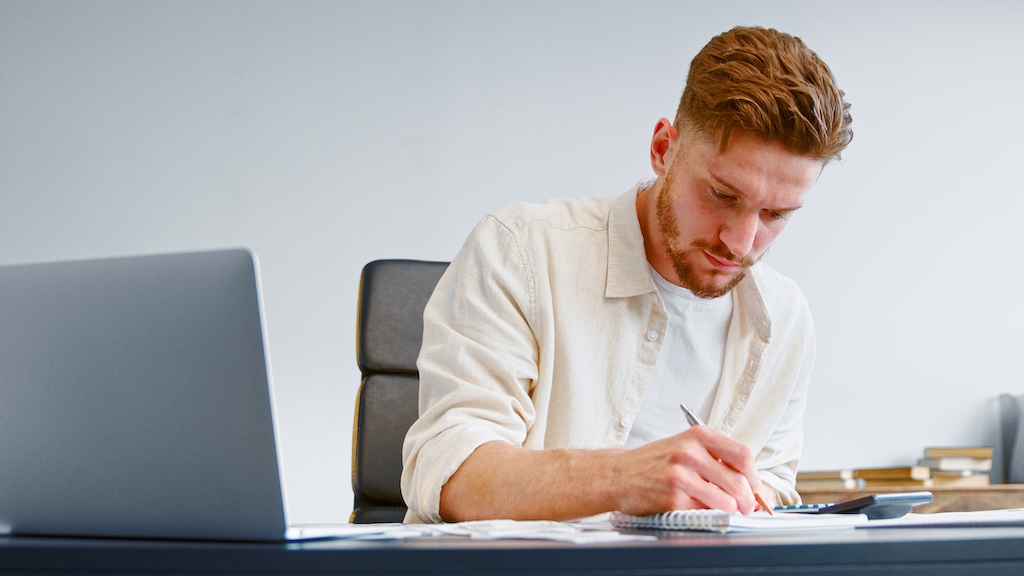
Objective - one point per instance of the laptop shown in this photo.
(136, 401)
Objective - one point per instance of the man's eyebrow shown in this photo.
(726, 184)
(735, 189)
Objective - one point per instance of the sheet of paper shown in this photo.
(576, 532)
(1010, 517)
(535, 530)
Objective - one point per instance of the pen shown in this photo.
(695, 420)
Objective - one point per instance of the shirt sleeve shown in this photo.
(477, 364)
(779, 458)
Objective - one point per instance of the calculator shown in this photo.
(875, 506)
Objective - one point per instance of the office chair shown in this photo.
(389, 329)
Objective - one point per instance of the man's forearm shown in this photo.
(499, 480)
(699, 468)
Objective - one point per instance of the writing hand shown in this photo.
(698, 468)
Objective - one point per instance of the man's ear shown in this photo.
(662, 146)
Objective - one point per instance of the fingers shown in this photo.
(717, 483)
(698, 468)
(733, 454)
(714, 470)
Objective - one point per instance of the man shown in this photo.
(563, 337)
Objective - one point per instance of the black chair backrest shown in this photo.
(389, 330)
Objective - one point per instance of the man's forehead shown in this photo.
(752, 167)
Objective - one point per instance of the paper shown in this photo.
(1010, 517)
(347, 531)
(535, 530)
(583, 532)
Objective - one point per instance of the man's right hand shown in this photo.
(697, 468)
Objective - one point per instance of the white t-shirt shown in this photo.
(689, 366)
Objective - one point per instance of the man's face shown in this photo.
(718, 213)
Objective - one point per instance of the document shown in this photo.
(575, 532)
(581, 532)
(1008, 517)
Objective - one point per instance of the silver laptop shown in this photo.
(135, 401)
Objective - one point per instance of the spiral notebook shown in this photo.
(719, 521)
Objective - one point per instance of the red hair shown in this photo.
(770, 84)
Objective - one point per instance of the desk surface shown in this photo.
(932, 551)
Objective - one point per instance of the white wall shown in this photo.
(327, 134)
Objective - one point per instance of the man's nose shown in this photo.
(739, 232)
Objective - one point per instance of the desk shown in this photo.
(933, 551)
(944, 499)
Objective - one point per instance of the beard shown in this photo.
(686, 270)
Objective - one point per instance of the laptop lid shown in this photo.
(135, 400)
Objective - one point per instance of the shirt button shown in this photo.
(625, 422)
(652, 336)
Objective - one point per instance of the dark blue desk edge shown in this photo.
(934, 551)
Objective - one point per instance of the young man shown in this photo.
(561, 341)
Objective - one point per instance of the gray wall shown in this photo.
(324, 135)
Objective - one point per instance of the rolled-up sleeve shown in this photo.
(477, 365)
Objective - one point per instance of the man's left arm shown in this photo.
(779, 457)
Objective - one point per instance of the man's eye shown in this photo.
(720, 195)
(775, 215)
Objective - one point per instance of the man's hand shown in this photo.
(698, 468)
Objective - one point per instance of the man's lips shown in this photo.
(720, 263)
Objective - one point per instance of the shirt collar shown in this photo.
(747, 295)
(628, 274)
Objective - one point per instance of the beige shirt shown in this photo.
(544, 333)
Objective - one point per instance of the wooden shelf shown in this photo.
(943, 499)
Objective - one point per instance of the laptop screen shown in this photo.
(135, 400)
